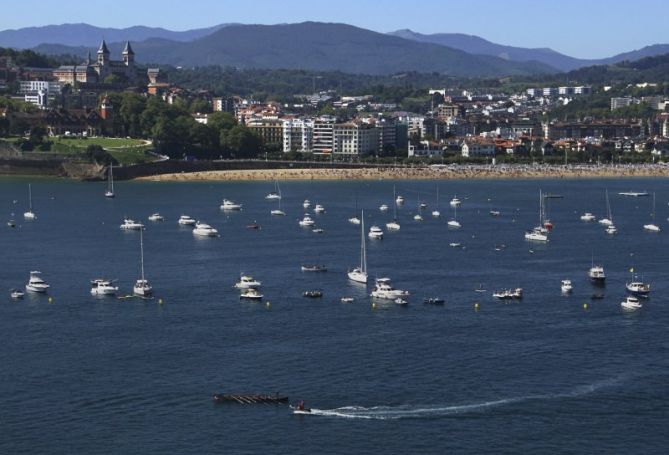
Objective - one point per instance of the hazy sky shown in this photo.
(581, 28)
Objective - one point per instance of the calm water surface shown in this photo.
(91, 375)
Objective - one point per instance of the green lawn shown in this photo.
(104, 142)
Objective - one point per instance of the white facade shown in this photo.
(298, 135)
(35, 86)
(424, 149)
(477, 148)
(39, 98)
(355, 139)
(323, 137)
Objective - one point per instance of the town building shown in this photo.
(355, 139)
(476, 147)
(88, 72)
(298, 135)
(323, 137)
(425, 149)
(268, 129)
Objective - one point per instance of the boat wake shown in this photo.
(436, 411)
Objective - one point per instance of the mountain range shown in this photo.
(311, 46)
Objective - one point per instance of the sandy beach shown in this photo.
(425, 173)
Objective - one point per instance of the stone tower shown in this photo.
(128, 55)
(103, 54)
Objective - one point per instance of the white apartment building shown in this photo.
(473, 147)
(323, 136)
(355, 139)
(617, 103)
(52, 87)
(298, 135)
(39, 98)
(424, 149)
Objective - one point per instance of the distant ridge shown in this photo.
(315, 46)
(90, 35)
(477, 45)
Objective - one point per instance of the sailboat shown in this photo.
(277, 212)
(607, 221)
(30, 215)
(354, 219)
(454, 223)
(276, 194)
(652, 227)
(539, 233)
(393, 225)
(142, 287)
(110, 182)
(359, 274)
(436, 213)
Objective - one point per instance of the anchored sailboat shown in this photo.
(652, 227)
(110, 182)
(394, 225)
(30, 215)
(142, 287)
(359, 274)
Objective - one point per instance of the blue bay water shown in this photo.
(90, 375)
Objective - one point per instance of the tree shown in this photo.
(221, 121)
(37, 134)
(241, 142)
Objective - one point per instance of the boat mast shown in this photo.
(30, 198)
(394, 204)
(111, 178)
(141, 249)
(363, 250)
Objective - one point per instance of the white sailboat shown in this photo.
(607, 221)
(276, 194)
(142, 287)
(394, 225)
(354, 219)
(539, 233)
(359, 274)
(454, 223)
(652, 227)
(436, 213)
(30, 215)
(110, 182)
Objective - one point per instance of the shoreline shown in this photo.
(451, 172)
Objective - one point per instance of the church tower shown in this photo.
(106, 109)
(103, 54)
(128, 55)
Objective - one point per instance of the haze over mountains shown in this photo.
(313, 46)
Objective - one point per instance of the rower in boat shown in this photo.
(299, 408)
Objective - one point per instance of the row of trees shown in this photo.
(176, 133)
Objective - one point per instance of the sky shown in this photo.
(580, 28)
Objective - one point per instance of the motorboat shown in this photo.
(307, 221)
(101, 286)
(401, 301)
(509, 294)
(306, 204)
(399, 199)
(313, 294)
(418, 217)
(253, 225)
(455, 224)
(596, 274)
(354, 220)
(634, 193)
(251, 294)
(375, 232)
(185, 220)
(319, 209)
(318, 230)
(204, 230)
(30, 215)
(434, 301)
(383, 207)
(16, 294)
(247, 282)
(455, 244)
(383, 289)
(605, 222)
(455, 202)
(314, 268)
(587, 216)
(393, 225)
(611, 229)
(110, 183)
(535, 235)
(277, 212)
(131, 225)
(142, 287)
(230, 205)
(156, 217)
(566, 286)
(36, 283)
(359, 274)
(273, 196)
(631, 303)
(495, 213)
(347, 300)
(299, 408)
(638, 288)
(436, 213)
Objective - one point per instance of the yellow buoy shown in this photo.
(160, 301)
(477, 306)
(50, 299)
(373, 306)
(268, 304)
(585, 306)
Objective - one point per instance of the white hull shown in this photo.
(354, 220)
(652, 228)
(454, 224)
(278, 213)
(536, 237)
(393, 226)
(357, 276)
(37, 288)
(29, 216)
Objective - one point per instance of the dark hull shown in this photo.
(249, 399)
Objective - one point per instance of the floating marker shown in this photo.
(476, 306)
(50, 299)
(268, 304)
(373, 306)
(160, 301)
(585, 306)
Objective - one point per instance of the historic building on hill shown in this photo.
(90, 73)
